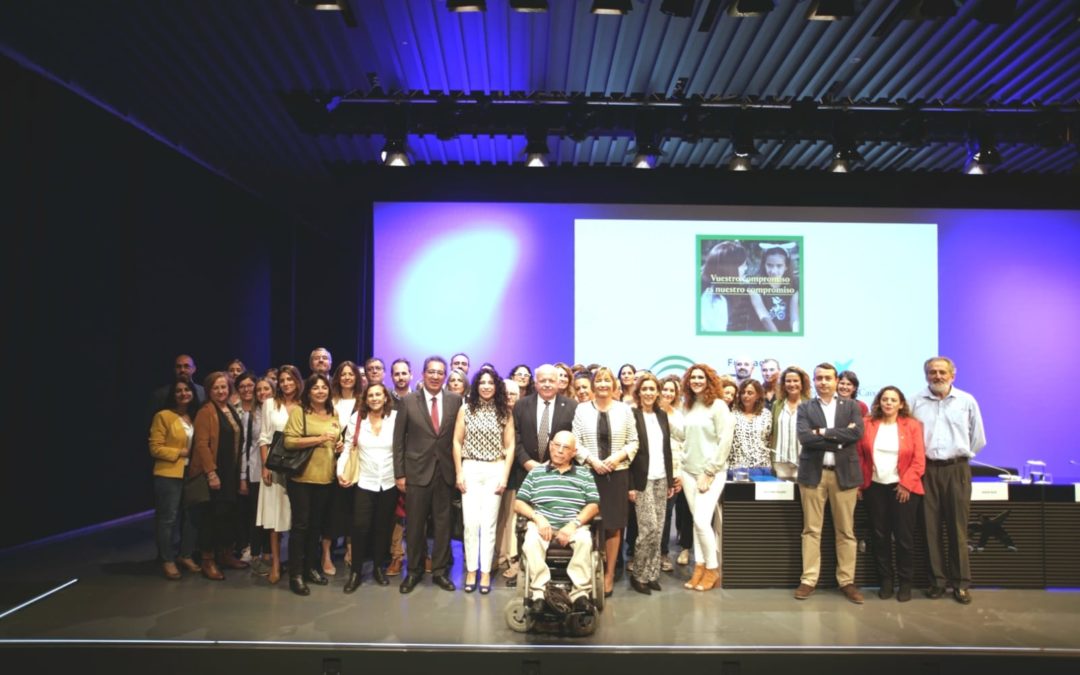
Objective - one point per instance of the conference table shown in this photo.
(1020, 535)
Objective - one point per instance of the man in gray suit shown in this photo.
(424, 471)
(828, 428)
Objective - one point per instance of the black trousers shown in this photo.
(373, 522)
(891, 520)
(308, 502)
(421, 501)
(216, 522)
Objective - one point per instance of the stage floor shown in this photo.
(118, 597)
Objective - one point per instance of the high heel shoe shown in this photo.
(469, 586)
(275, 573)
(699, 571)
(709, 581)
(485, 588)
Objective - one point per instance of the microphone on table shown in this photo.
(1005, 475)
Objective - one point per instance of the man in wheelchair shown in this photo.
(558, 499)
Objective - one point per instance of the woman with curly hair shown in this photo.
(708, 427)
(483, 457)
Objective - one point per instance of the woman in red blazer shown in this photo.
(893, 459)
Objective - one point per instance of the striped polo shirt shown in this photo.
(558, 497)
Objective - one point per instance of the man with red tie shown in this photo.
(424, 471)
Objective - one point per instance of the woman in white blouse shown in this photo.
(274, 512)
(783, 438)
(370, 434)
(607, 441)
(483, 458)
(709, 427)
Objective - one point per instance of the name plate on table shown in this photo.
(1076, 487)
(989, 492)
(774, 491)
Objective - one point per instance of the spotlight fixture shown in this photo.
(536, 148)
(393, 153)
(320, 5)
(466, 5)
(529, 6)
(745, 152)
(984, 159)
(647, 157)
(750, 8)
(830, 10)
(611, 7)
(844, 159)
(682, 9)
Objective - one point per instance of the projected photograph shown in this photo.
(749, 285)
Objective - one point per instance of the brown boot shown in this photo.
(188, 564)
(210, 569)
(394, 568)
(230, 561)
(170, 570)
(709, 581)
(699, 571)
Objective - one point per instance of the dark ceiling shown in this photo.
(273, 93)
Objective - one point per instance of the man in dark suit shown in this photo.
(531, 410)
(424, 471)
(183, 369)
(828, 428)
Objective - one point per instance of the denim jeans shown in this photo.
(167, 492)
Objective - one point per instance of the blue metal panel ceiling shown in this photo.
(209, 75)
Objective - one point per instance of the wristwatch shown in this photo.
(576, 522)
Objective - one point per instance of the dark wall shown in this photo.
(119, 253)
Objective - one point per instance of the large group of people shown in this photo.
(559, 445)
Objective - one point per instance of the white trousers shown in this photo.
(579, 569)
(480, 512)
(703, 508)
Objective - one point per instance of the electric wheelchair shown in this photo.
(555, 614)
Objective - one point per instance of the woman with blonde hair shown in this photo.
(607, 439)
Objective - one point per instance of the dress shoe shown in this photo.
(962, 595)
(904, 594)
(684, 557)
(353, 583)
(297, 585)
(484, 587)
(469, 586)
(886, 590)
(328, 568)
(230, 561)
(935, 592)
(709, 580)
(640, 586)
(852, 593)
(380, 576)
(804, 591)
(699, 571)
(170, 570)
(394, 568)
(443, 582)
(409, 583)
(316, 577)
(655, 585)
(210, 570)
(188, 564)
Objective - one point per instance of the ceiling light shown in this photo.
(682, 9)
(529, 6)
(647, 158)
(393, 153)
(320, 5)
(830, 10)
(983, 160)
(466, 5)
(611, 7)
(536, 150)
(844, 159)
(745, 151)
(750, 8)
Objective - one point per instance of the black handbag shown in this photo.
(288, 462)
(196, 490)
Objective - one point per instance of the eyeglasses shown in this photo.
(561, 446)
(432, 371)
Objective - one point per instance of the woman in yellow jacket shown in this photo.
(170, 445)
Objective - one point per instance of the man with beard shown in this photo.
(953, 432)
